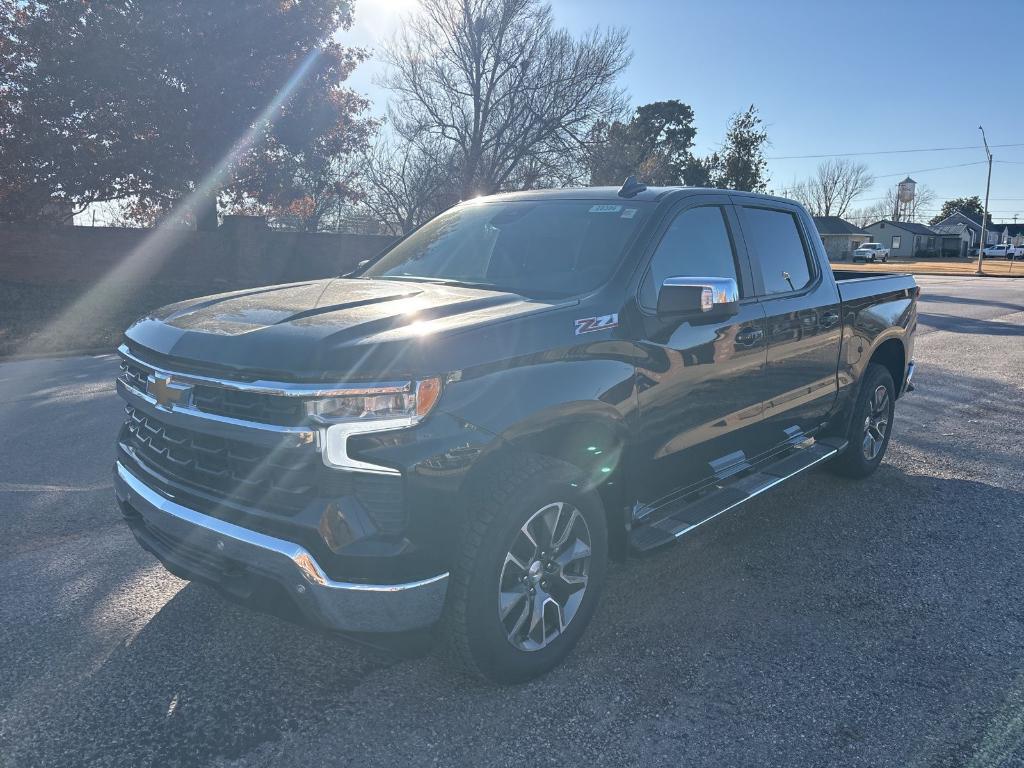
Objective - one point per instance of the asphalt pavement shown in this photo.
(828, 622)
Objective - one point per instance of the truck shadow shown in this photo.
(756, 621)
(851, 611)
(961, 324)
(941, 298)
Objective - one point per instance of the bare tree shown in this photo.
(884, 207)
(834, 186)
(514, 99)
(405, 186)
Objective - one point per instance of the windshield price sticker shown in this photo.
(605, 208)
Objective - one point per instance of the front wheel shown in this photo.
(533, 562)
(871, 425)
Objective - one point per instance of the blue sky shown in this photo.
(828, 78)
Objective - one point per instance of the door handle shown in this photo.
(829, 319)
(749, 337)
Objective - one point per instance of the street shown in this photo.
(827, 622)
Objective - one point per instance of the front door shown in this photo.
(803, 323)
(700, 387)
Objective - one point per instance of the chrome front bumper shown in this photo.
(342, 606)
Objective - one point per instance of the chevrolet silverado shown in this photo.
(464, 431)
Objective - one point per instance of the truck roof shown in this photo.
(652, 194)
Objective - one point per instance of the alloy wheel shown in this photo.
(876, 423)
(544, 576)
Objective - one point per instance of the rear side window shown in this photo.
(775, 236)
(696, 244)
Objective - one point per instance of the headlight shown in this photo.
(370, 409)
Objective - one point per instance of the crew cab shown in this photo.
(464, 431)
(871, 252)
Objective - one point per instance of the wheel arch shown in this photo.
(892, 354)
(593, 441)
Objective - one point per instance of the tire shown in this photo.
(858, 460)
(498, 565)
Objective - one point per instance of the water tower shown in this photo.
(905, 192)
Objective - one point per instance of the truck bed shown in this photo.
(858, 285)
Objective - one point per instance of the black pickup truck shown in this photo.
(465, 430)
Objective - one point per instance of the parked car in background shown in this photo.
(1003, 251)
(871, 252)
(470, 426)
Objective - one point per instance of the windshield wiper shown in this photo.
(441, 281)
(529, 293)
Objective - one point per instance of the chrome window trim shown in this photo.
(279, 388)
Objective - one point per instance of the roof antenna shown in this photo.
(631, 187)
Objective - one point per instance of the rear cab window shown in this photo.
(773, 235)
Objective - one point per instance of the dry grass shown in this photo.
(958, 267)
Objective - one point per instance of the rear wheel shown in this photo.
(533, 562)
(871, 425)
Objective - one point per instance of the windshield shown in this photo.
(535, 248)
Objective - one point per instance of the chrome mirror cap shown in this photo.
(698, 295)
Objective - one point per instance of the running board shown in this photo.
(686, 516)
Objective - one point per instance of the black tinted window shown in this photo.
(697, 244)
(775, 236)
(532, 247)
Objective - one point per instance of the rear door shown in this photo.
(700, 388)
(802, 315)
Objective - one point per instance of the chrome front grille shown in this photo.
(244, 444)
(256, 407)
(279, 479)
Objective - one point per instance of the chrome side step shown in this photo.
(684, 517)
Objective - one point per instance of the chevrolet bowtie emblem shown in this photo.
(166, 392)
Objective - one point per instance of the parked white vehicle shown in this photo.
(871, 252)
(1004, 251)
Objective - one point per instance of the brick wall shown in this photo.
(66, 288)
(240, 254)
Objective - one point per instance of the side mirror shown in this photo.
(703, 297)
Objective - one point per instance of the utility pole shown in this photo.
(984, 216)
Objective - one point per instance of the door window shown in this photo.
(696, 244)
(775, 236)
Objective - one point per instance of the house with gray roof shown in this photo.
(1009, 233)
(840, 237)
(962, 233)
(905, 239)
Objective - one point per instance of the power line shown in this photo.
(926, 170)
(938, 196)
(891, 152)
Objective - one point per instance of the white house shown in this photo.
(904, 239)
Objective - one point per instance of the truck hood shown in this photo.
(340, 328)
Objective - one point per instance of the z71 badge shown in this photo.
(602, 323)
